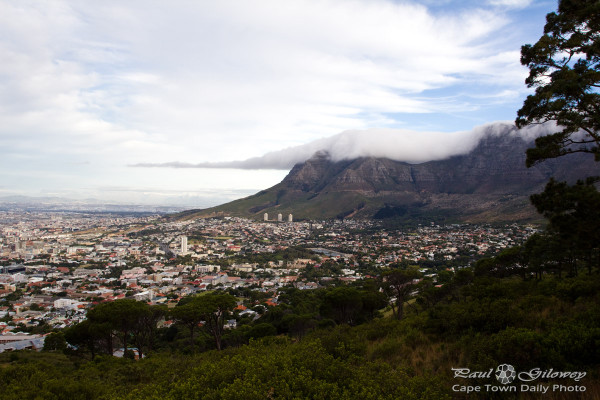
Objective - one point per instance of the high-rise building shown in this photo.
(279, 217)
(184, 246)
(266, 217)
(290, 218)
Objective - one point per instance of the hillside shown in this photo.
(475, 322)
(491, 184)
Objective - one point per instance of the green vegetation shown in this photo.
(126, 321)
(334, 344)
(210, 310)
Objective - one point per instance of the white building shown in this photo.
(266, 217)
(279, 217)
(246, 267)
(147, 295)
(69, 304)
(19, 277)
(207, 268)
(184, 245)
(290, 218)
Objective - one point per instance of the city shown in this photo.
(57, 265)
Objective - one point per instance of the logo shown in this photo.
(505, 373)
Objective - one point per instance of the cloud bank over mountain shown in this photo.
(396, 144)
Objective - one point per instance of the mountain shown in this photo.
(488, 184)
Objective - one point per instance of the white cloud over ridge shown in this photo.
(395, 144)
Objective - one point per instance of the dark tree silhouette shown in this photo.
(564, 70)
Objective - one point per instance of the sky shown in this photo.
(108, 100)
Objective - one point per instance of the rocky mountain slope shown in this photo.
(491, 184)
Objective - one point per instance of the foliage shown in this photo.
(264, 369)
(473, 320)
(261, 330)
(350, 305)
(399, 283)
(573, 212)
(570, 242)
(210, 309)
(55, 341)
(564, 70)
(125, 320)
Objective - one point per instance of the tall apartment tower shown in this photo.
(290, 218)
(279, 217)
(266, 217)
(184, 247)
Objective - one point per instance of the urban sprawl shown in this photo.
(56, 265)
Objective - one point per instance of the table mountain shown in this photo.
(489, 184)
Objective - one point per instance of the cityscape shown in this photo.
(55, 265)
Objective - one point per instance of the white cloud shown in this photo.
(511, 3)
(395, 144)
(117, 83)
(219, 67)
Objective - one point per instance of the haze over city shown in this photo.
(93, 94)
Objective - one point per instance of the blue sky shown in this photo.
(89, 89)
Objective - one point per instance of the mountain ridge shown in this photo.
(489, 184)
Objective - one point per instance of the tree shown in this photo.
(212, 309)
(189, 315)
(144, 330)
(122, 316)
(216, 308)
(399, 284)
(298, 325)
(573, 212)
(508, 262)
(92, 336)
(55, 341)
(545, 252)
(261, 330)
(128, 320)
(342, 304)
(564, 69)
(372, 301)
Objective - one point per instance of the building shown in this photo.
(207, 268)
(21, 342)
(184, 245)
(69, 304)
(147, 295)
(290, 218)
(266, 218)
(300, 263)
(279, 217)
(246, 267)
